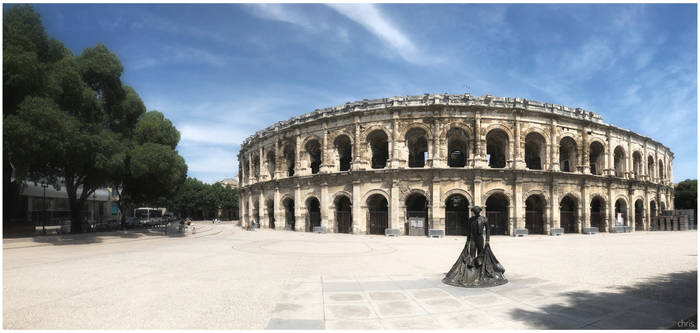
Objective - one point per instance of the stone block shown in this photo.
(590, 230)
(520, 232)
(437, 233)
(391, 232)
(557, 231)
(320, 230)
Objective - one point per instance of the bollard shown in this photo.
(194, 230)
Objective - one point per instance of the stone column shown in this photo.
(585, 206)
(611, 209)
(609, 156)
(251, 218)
(359, 223)
(299, 222)
(262, 212)
(629, 169)
(585, 152)
(279, 172)
(356, 163)
(326, 163)
(438, 214)
(553, 144)
(394, 163)
(324, 206)
(280, 222)
(477, 193)
(297, 152)
(519, 200)
(556, 223)
(479, 143)
(241, 208)
(394, 206)
(519, 159)
(264, 173)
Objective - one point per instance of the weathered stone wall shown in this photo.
(546, 151)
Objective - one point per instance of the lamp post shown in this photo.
(43, 227)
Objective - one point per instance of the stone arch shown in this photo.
(568, 153)
(504, 128)
(378, 145)
(377, 211)
(458, 146)
(309, 138)
(497, 147)
(447, 127)
(537, 130)
(341, 212)
(662, 174)
(310, 196)
(342, 132)
(568, 212)
(417, 205)
(622, 206)
(598, 212)
(596, 156)
(532, 192)
(417, 143)
(497, 190)
(343, 148)
(619, 157)
(413, 125)
(535, 150)
(375, 191)
(637, 163)
(313, 152)
(403, 196)
(460, 191)
(639, 213)
(367, 131)
(312, 208)
(339, 194)
(498, 212)
(535, 206)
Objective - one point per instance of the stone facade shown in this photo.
(370, 165)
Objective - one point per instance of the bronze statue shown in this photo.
(476, 266)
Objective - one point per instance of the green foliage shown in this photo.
(71, 118)
(686, 194)
(200, 200)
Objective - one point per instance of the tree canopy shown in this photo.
(686, 194)
(70, 119)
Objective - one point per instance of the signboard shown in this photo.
(416, 222)
(619, 219)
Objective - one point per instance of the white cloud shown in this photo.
(371, 18)
(279, 12)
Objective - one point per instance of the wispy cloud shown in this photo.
(284, 13)
(371, 18)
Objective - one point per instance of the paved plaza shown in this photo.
(223, 277)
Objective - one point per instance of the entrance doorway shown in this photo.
(534, 214)
(497, 213)
(378, 214)
(343, 215)
(456, 215)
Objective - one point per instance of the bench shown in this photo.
(590, 230)
(557, 231)
(436, 233)
(320, 230)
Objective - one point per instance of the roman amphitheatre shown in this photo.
(417, 164)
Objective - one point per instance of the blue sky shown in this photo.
(221, 72)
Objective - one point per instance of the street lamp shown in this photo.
(43, 227)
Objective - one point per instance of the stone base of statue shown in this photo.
(476, 272)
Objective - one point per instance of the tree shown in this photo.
(686, 194)
(70, 120)
(152, 169)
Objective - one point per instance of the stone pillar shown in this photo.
(241, 208)
(585, 152)
(324, 206)
(326, 163)
(519, 200)
(519, 158)
(299, 221)
(479, 143)
(438, 216)
(356, 163)
(394, 208)
(585, 207)
(629, 169)
(556, 223)
(394, 163)
(553, 144)
(262, 212)
(279, 172)
(359, 223)
(280, 222)
(477, 193)
(251, 218)
(609, 157)
(297, 152)
(611, 209)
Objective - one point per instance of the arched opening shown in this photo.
(534, 151)
(313, 208)
(289, 219)
(595, 157)
(568, 213)
(271, 167)
(344, 148)
(313, 148)
(497, 148)
(619, 161)
(343, 214)
(637, 164)
(534, 214)
(567, 154)
(378, 211)
(497, 213)
(639, 215)
(662, 208)
(256, 166)
(652, 208)
(650, 167)
(416, 214)
(289, 159)
(245, 169)
(598, 213)
(661, 170)
(456, 215)
(417, 142)
(457, 148)
(271, 213)
(620, 212)
(379, 144)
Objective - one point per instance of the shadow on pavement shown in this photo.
(664, 301)
(93, 238)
